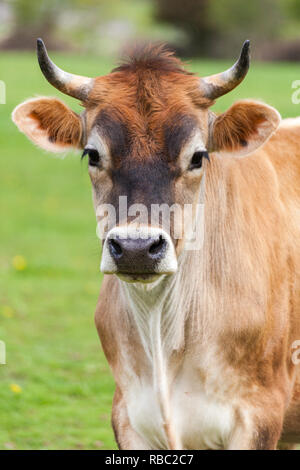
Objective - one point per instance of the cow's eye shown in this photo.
(94, 157)
(197, 158)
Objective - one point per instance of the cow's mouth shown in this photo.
(138, 277)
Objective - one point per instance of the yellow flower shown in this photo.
(15, 388)
(7, 311)
(19, 263)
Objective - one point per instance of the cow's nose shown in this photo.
(137, 255)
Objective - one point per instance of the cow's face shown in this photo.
(147, 147)
(147, 133)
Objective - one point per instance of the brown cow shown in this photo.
(202, 342)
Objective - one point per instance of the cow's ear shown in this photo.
(49, 123)
(243, 128)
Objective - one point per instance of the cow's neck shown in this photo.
(158, 313)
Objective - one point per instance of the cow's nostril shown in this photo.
(115, 248)
(158, 246)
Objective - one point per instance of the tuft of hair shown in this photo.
(153, 56)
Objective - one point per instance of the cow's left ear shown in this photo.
(49, 123)
(243, 128)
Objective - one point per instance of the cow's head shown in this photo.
(147, 131)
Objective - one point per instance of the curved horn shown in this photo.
(73, 85)
(221, 83)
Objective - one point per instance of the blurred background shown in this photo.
(195, 28)
(56, 388)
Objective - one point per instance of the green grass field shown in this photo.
(56, 388)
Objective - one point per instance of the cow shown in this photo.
(201, 338)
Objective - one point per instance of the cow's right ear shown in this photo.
(49, 123)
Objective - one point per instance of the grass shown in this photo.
(64, 386)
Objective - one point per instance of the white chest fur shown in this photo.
(169, 403)
(198, 420)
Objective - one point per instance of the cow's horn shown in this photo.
(221, 83)
(73, 85)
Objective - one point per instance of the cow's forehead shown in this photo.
(148, 106)
(148, 91)
(139, 137)
(145, 122)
